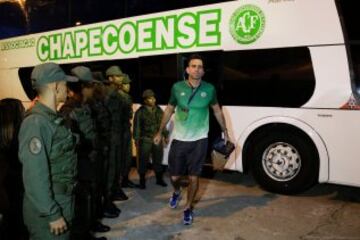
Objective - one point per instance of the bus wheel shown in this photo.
(285, 162)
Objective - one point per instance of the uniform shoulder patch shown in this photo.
(35, 145)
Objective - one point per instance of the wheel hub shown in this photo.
(281, 161)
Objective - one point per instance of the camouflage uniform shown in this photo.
(114, 104)
(101, 116)
(126, 147)
(79, 118)
(146, 124)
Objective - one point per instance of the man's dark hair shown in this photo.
(11, 115)
(195, 56)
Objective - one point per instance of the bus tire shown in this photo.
(285, 162)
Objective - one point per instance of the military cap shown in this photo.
(83, 73)
(148, 93)
(126, 79)
(48, 73)
(114, 71)
(97, 75)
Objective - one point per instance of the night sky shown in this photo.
(45, 15)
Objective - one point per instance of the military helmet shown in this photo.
(126, 79)
(114, 71)
(48, 73)
(148, 93)
(84, 74)
(98, 75)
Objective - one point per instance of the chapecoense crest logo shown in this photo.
(247, 24)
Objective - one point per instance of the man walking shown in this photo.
(190, 99)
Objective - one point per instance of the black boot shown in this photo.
(109, 209)
(99, 227)
(159, 180)
(97, 238)
(115, 208)
(142, 184)
(126, 183)
(119, 195)
(110, 212)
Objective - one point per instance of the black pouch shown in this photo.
(224, 148)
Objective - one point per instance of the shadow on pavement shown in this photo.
(228, 176)
(338, 192)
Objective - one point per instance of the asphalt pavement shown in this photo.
(232, 206)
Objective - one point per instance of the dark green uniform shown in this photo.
(47, 152)
(146, 124)
(101, 116)
(102, 122)
(126, 147)
(78, 119)
(113, 104)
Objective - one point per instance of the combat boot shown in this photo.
(110, 210)
(127, 183)
(142, 184)
(119, 195)
(159, 180)
(99, 227)
(110, 213)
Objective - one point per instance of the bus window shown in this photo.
(350, 16)
(355, 63)
(271, 77)
(25, 79)
(158, 73)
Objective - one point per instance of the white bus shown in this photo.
(284, 70)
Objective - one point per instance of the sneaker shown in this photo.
(174, 200)
(188, 216)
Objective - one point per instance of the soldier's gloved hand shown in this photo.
(93, 156)
(58, 226)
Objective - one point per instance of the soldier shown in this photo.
(126, 150)
(114, 105)
(47, 152)
(78, 115)
(103, 126)
(146, 123)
